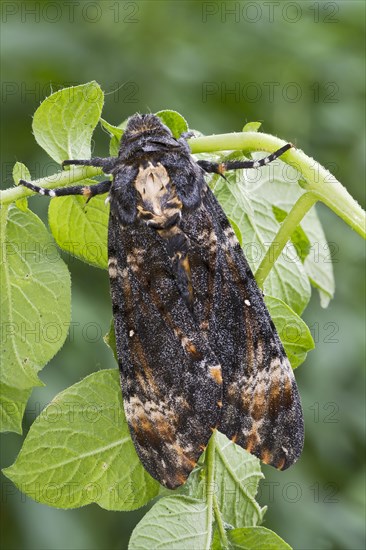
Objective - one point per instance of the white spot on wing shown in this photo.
(232, 241)
(112, 267)
(112, 270)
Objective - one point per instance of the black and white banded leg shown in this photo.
(222, 167)
(88, 191)
(107, 164)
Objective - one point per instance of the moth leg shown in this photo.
(107, 164)
(88, 191)
(187, 135)
(222, 167)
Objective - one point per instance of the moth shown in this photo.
(197, 348)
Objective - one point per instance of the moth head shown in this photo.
(148, 124)
(144, 135)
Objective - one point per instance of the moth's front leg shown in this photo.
(222, 167)
(88, 191)
(107, 164)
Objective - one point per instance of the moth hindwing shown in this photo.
(197, 348)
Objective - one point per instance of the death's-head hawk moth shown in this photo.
(197, 348)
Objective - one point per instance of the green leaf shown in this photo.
(216, 541)
(80, 451)
(116, 133)
(294, 333)
(35, 303)
(298, 237)
(318, 263)
(81, 229)
(255, 538)
(64, 122)
(177, 124)
(173, 523)
(110, 340)
(114, 147)
(253, 214)
(236, 231)
(12, 400)
(237, 475)
(12, 406)
(278, 184)
(20, 171)
(252, 126)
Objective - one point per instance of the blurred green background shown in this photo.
(296, 66)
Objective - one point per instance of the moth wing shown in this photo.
(171, 380)
(261, 405)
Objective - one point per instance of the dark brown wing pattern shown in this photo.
(261, 406)
(171, 379)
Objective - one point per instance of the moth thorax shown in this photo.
(158, 202)
(152, 181)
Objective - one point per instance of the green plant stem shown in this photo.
(62, 179)
(210, 476)
(288, 226)
(317, 179)
(220, 525)
(210, 496)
